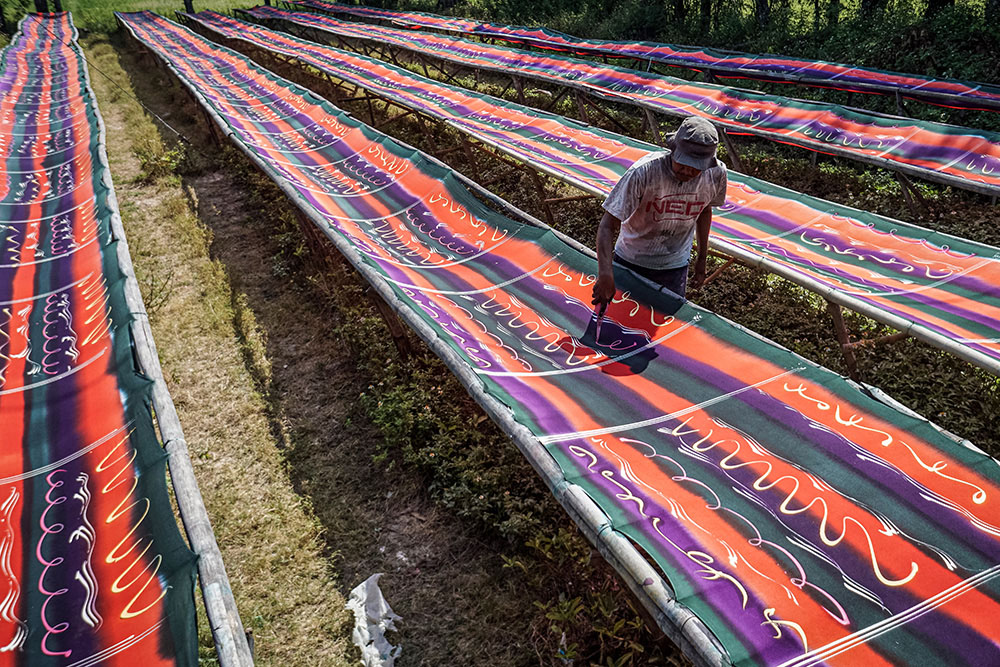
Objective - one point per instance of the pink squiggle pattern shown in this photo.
(47, 530)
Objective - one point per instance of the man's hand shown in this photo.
(607, 232)
(698, 279)
(704, 226)
(604, 288)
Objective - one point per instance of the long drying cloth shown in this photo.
(725, 64)
(945, 290)
(958, 156)
(92, 567)
(803, 521)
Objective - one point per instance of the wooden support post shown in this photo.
(555, 100)
(719, 271)
(392, 120)
(907, 198)
(188, 6)
(454, 149)
(519, 87)
(57, 4)
(323, 259)
(719, 255)
(428, 134)
(540, 189)
(423, 63)
(396, 328)
(900, 110)
(654, 127)
(844, 338)
(581, 107)
(495, 179)
(211, 125)
(41, 7)
(911, 195)
(734, 156)
(371, 110)
(563, 200)
(890, 338)
(471, 156)
(450, 77)
(503, 93)
(813, 158)
(614, 121)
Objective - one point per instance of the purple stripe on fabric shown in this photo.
(888, 262)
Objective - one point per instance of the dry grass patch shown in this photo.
(270, 540)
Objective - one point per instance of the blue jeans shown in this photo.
(674, 280)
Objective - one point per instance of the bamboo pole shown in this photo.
(231, 640)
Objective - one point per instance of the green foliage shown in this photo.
(156, 161)
(958, 42)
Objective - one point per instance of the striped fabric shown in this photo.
(92, 566)
(945, 289)
(949, 154)
(725, 64)
(803, 521)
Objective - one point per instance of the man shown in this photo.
(657, 207)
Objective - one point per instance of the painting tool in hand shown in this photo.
(599, 311)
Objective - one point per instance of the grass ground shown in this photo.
(271, 542)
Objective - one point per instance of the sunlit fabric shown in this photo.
(945, 286)
(727, 64)
(958, 156)
(803, 521)
(92, 566)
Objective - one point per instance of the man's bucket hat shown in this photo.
(695, 143)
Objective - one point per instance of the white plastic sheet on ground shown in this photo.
(373, 617)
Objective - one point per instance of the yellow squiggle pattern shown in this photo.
(118, 463)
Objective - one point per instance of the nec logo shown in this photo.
(675, 207)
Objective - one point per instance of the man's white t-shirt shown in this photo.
(658, 212)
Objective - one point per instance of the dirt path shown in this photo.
(285, 588)
(457, 603)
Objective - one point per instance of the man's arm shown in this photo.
(703, 226)
(607, 234)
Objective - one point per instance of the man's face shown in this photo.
(682, 172)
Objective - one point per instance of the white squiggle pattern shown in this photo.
(854, 421)
(85, 575)
(8, 606)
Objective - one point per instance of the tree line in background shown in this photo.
(703, 16)
(947, 38)
(11, 12)
(951, 38)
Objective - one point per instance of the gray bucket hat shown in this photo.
(695, 143)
